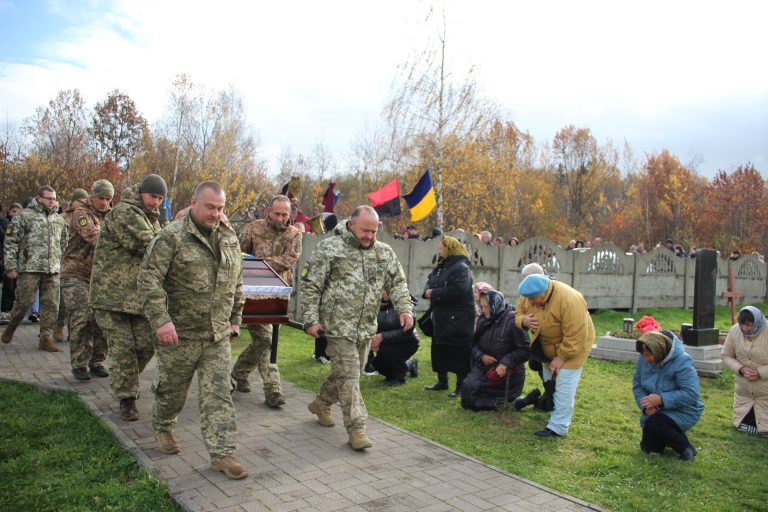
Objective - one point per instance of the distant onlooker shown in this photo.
(486, 237)
(597, 241)
(735, 254)
(571, 245)
(497, 241)
(669, 244)
(513, 242)
(413, 233)
(679, 251)
(579, 244)
(692, 252)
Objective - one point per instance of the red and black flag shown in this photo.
(330, 198)
(386, 200)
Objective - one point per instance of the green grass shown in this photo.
(56, 456)
(599, 461)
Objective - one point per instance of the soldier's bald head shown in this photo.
(364, 224)
(364, 210)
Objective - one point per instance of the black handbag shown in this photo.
(425, 323)
(537, 352)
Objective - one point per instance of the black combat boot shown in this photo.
(440, 385)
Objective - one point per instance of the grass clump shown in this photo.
(56, 456)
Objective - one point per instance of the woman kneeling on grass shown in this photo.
(746, 353)
(666, 389)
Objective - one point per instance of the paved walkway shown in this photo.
(294, 463)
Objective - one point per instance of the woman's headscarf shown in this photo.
(452, 247)
(481, 288)
(759, 322)
(657, 344)
(496, 304)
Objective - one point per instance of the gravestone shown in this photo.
(703, 331)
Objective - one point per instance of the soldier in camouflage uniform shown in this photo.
(341, 294)
(113, 295)
(191, 288)
(61, 321)
(87, 346)
(33, 249)
(279, 244)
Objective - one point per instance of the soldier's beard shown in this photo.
(276, 225)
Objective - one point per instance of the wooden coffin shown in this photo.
(266, 294)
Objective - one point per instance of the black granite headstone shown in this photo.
(704, 283)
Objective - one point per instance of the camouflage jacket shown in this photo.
(342, 284)
(182, 281)
(280, 248)
(35, 241)
(123, 240)
(84, 226)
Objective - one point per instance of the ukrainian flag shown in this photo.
(421, 200)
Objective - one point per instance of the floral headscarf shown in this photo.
(759, 322)
(452, 247)
(496, 304)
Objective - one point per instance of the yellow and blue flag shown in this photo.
(421, 200)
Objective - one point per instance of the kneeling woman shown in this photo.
(393, 346)
(499, 347)
(666, 389)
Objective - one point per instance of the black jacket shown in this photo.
(502, 340)
(389, 327)
(453, 312)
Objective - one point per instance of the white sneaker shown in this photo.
(370, 374)
(5, 318)
(323, 360)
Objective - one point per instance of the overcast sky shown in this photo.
(688, 76)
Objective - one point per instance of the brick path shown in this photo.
(294, 463)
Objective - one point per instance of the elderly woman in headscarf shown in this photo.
(666, 389)
(499, 349)
(746, 353)
(477, 290)
(449, 289)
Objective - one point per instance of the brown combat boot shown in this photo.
(274, 400)
(167, 442)
(242, 385)
(323, 413)
(58, 334)
(47, 344)
(128, 410)
(8, 334)
(359, 440)
(230, 467)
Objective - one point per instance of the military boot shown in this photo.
(8, 334)
(275, 400)
(323, 413)
(230, 467)
(128, 410)
(242, 385)
(47, 344)
(167, 442)
(359, 440)
(58, 334)
(81, 374)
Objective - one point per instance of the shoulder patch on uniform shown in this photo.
(9, 230)
(305, 271)
(82, 221)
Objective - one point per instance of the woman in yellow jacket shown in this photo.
(558, 318)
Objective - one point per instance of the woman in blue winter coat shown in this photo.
(666, 388)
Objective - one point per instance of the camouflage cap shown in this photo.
(102, 188)
(79, 193)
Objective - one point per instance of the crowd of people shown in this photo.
(129, 290)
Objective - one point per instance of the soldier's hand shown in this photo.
(314, 330)
(406, 321)
(12, 275)
(166, 334)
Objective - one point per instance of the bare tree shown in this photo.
(118, 128)
(427, 106)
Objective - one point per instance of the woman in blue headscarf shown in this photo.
(746, 353)
(499, 349)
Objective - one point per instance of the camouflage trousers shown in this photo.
(87, 346)
(26, 287)
(343, 384)
(256, 354)
(129, 338)
(61, 319)
(176, 365)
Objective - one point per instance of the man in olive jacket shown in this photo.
(341, 294)
(191, 288)
(113, 294)
(34, 243)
